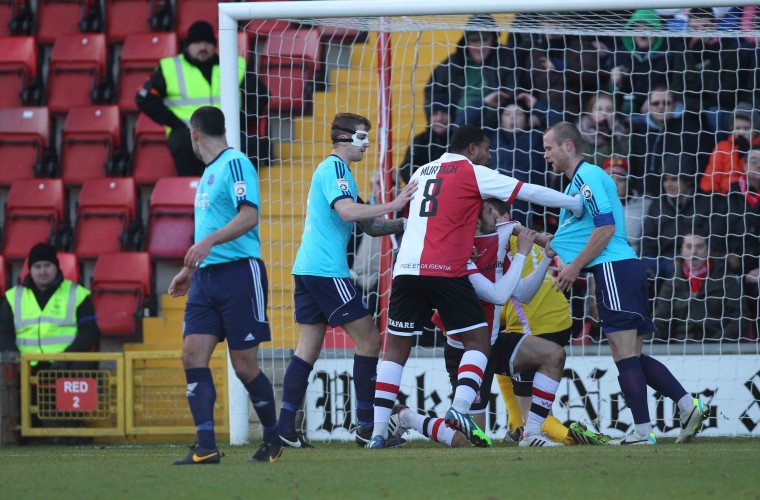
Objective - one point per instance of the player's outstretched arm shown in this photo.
(380, 226)
(500, 291)
(550, 198)
(350, 211)
(528, 287)
(542, 239)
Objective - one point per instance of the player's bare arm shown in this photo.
(350, 211)
(550, 198)
(500, 291)
(180, 284)
(542, 239)
(246, 218)
(380, 226)
(600, 237)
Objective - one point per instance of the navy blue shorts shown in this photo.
(622, 296)
(230, 301)
(334, 301)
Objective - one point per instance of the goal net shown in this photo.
(666, 101)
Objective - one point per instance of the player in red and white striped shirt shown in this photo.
(431, 271)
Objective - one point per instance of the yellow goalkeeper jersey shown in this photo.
(548, 312)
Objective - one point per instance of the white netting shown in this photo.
(590, 68)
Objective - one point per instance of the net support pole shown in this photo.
(237, 396)
(385, 142)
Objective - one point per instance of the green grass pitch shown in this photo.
(708, 468)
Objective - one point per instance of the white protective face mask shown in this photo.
(358, 138)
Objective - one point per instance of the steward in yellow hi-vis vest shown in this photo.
(46, 313)
(183, 83)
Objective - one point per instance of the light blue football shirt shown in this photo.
(228, 182)
(602, 208)
(325, 234)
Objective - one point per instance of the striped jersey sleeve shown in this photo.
(590, 185)
(336, 181)
(243, 182)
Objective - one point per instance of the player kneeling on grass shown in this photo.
(510, 354)
(547, 315)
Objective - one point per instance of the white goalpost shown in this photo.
(394, 48)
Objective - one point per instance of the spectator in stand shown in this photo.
(743, 233)
(676, 212)
(47, 313)
(429, 144)
(702, 302)
(635, 206)
(642, 63)
(728, 160)
(184, 83)
(665, 131)
(706, 75)
(603, 131)
(478, 67)
(749, 57)
(561, 70)
(749, 20)
(726, 18)
(515, 151)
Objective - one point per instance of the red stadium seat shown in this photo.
(290, 89)
(90, 136)
(151, 159)
(120, 285)
(77, 64)
(60, 17)
(170, 221)
(260, 29)
(34, 210)
(127, 17)
(7, 12)
(294, 47)
(189, 11)
(18, 65)
(67, 262)
(3, 275)
(337, 35)
(243, 44)
(139, 58)
(24, 137)
(105, 213)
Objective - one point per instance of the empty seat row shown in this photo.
(75, 71)
(105, 213)
(121, 18)
(78, 73)
(90, 138)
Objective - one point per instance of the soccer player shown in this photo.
(597, 243)
(547, 315)
(226, 283)
(496, 281)
(324, 294)
(431, 271)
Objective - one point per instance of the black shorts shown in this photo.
(501, 360)
(229, 300)
(413, 299)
